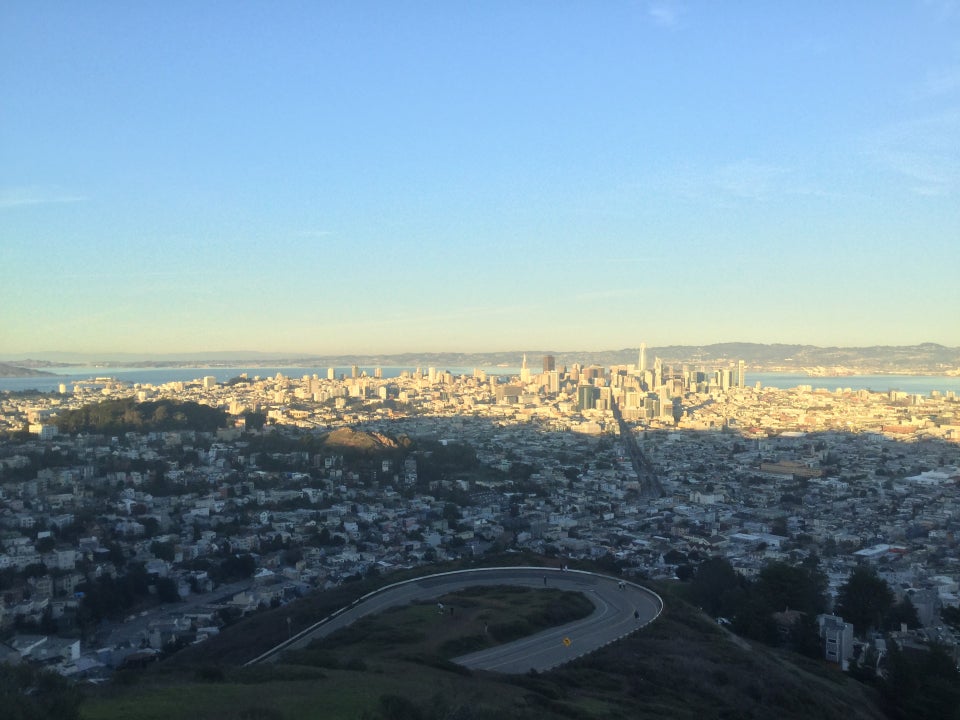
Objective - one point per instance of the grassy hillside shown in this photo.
(396, 665)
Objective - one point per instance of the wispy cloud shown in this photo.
(35, 195)
(924, 151)
(664, 13)
(749, 179)
(746, 179)
(719, 186)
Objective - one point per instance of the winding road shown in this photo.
(620, 608)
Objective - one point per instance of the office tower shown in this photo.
(431, 375)
(549, 363)
(524, 370)
(354, 372)
(378, 373)
(553, 382)
(642, 360)
(209, 381)
(331, 374)
(741, 374)
(587, 396)
(725, 376)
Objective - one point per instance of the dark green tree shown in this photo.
(923, 684)
(167, 590)
(753, 619)
(716, 587)
(162, 550)
(30, 693)
(903, 613)
(951, 616)
(864, 599)
(783, 586)
(804, 637)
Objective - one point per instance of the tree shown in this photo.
(684, 572)
(925, 684)
(864, 599)
(716, 587)
(904, 612)
(162, 550)
(754, 620)
(167, 591)
(30, 693)
(804, 637)
(46, 544)
(784, 586)
(951, 616)
(779, 527)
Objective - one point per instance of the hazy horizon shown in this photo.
(534, 353)
(368, 178)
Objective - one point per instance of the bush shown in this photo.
(210, 673)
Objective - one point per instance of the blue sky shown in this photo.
(353, 177)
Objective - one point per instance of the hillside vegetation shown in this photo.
(397, 666)
(128, 415)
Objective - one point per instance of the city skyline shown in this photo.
(363, 178)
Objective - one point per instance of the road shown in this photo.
(619, 609)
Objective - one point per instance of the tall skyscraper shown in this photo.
(741, 374)
(549, 363)
(524, 370)
(642, 360)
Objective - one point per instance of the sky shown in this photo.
(384, 177)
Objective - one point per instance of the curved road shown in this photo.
(619, 609)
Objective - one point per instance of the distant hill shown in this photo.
(926, 358)
(10, 371)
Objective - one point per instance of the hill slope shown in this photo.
(681, 666)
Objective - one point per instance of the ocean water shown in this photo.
(912, 384)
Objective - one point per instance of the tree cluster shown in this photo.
(921, 684)
(749, 605)
(127, 415)
(31, 693)
(868, 602)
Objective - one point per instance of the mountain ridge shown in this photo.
(923, 358)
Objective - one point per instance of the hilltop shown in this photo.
(12, 371)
